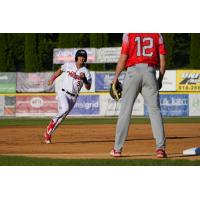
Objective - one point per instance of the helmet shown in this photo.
(81, 52)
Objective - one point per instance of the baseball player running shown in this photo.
(75, 76)
(141, 54)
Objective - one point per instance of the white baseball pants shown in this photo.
(65, 104)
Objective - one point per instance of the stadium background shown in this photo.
(28, 60)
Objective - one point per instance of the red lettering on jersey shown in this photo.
(143, 48)
(73, 75)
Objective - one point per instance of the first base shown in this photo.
(192, 151)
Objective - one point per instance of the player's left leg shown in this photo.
(64, 107)
(131, 89)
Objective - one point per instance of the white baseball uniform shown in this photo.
(71, 85)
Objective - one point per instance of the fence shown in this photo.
(27, 94)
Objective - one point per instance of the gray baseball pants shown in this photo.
(140, 78)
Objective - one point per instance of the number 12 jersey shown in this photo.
(143, 48)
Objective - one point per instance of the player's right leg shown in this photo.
(151, 97)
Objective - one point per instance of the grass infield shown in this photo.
(77, 121)
(28, 161)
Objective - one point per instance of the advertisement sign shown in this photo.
(36, 106)
(173, 105)
(59, 80)
(104, 79)
(86, 105)
(61, 56)
(188, 80)
(9, 108)
(169, 80)
(109, 107)
(7, 82)
(108, 55)
(34, 82)
(194, 105)
(1, 105)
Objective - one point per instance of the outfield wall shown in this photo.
(97, 104)
(180, 95)
(173, 81)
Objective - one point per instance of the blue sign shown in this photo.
(173, 105)
(103, 80)
(86, 105)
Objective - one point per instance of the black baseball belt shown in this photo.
(73, 95)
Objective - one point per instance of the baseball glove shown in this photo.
(116, 91)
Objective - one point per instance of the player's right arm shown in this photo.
(161, 70)
(54, 76)
(162, 64)
(120, 66)
(123, 57)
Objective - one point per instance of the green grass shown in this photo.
(28, 161)
(78, 121)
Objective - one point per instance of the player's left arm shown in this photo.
(161, 70)
(86, 80)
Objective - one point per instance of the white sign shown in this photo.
(194, 104)
(169, 80)
(108, 55)
(109, 107)
(61, 56)
(102, 55)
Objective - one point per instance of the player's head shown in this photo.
(81, 52)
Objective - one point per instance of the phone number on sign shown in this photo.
(191, 87)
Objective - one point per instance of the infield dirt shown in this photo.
(96, 141)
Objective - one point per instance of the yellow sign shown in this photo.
(188, 80)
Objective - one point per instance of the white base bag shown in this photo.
(192, 151)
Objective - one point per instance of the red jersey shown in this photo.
(142, 48)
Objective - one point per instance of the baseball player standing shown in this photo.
(141, 55)
(75, 76)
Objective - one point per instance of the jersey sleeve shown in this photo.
(63, 67)
(162, 49)
(125, 44)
